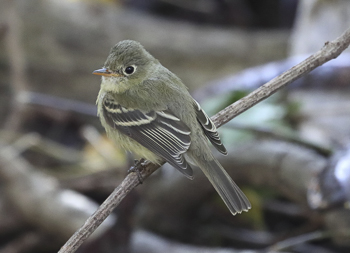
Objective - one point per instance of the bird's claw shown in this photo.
(138, 166)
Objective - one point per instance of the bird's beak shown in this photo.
(105, 72)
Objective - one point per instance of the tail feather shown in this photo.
(230, 193)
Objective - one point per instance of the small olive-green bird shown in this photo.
(146, 109)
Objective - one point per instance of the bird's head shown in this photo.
(127, 65)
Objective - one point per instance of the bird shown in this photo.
(147, 110)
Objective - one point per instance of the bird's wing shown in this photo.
(159, 131)
(209, 128)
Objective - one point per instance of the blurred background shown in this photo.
(289, 153)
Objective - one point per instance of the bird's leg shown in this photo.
(138, 166)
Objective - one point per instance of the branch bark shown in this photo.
(329, 51)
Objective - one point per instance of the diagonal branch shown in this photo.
(329, 51)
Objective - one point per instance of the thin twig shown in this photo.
(129, 183)
(330, 51)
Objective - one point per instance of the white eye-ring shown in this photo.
(129, 69)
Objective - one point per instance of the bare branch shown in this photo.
(129, 183)
(330, 51)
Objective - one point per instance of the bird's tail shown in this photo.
(230, 193)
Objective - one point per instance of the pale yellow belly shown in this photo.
(128, 144)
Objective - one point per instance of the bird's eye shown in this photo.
(129, 70)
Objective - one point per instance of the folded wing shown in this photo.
(159, 131)
(209, 128)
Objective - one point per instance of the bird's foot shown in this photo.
(138, 166)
